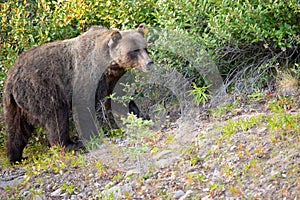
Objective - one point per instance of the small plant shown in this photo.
(189, 178)
(191, 155)
(234, 189)
(95, 141)
(137, 127)
(69, 188)
(137, 130)
(232, 126)
(36, 191)
(256, 96)
(213, 186)
(221, 110)
(154, 150)
(116, 133)
(200, 94)
(287, 84)
(100, 166)
(199, 178)
(286, 103)
(282, 125)
(118, 177)
(56, 160)
(169, 139)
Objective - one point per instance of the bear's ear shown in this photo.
(142, 29)
(115, 37)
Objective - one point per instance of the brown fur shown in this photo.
(44, 81)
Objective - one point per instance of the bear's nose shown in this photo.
(149, 65)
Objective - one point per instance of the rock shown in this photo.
(127, 188)
(38, 197)
(115, 191)
(26, 193)
(56, 193)
(132, 172)
(187, 195)
(208, 197)
(178, 194)
(10, 181)
(91, 175)
(162, 154)
(82, 195)
(233, 147)
(164, 158)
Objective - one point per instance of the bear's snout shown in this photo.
(146, 62)
(149, 66)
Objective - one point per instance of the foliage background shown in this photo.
(217, 24)
(248, 39)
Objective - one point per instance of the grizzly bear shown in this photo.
(49, 82)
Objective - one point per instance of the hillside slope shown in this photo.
(240, 150)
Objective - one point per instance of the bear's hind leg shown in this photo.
(60, 135)
(18, 131)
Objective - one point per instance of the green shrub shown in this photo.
(271, 22)
(225, 21)
(27, 23)
(249, 40)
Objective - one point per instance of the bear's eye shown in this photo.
(134, 54)
(136, 51)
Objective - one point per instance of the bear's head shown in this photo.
(128, 49)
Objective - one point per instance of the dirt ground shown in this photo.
(191, 159)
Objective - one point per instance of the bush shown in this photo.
(28, 23)
(249, 40)
(241, 22)
(215, 23)
(245, 22)
(24, 24)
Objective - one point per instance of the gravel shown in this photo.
(197, 165)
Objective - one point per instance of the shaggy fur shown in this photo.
(50, 81)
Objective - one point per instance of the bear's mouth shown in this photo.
(147, 67)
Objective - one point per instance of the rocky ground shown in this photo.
(234, 153)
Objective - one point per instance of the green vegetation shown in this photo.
(232, 31)
(200, 94)
(138, 131)
(217, 24)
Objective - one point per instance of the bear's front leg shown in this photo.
(57, 123)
